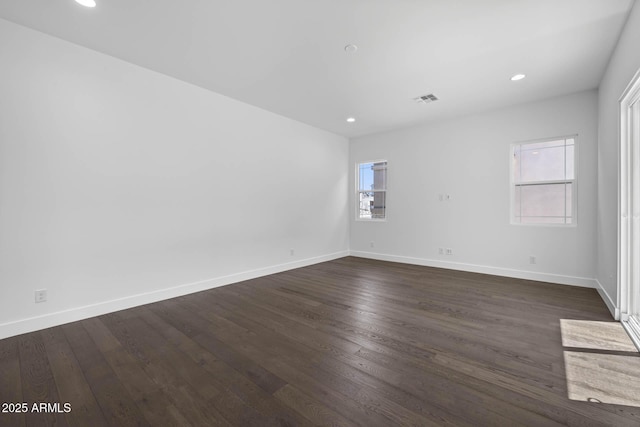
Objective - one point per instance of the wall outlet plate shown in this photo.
(41, 295)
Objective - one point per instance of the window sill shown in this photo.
(518, 224)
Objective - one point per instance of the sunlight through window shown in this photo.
(602, 365)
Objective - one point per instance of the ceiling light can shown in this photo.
(517, 77)
(351, 119)
(350, 48)
(87, 3)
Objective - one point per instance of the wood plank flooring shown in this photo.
(351, 342)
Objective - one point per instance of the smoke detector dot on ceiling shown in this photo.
(350, 48)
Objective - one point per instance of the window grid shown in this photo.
(538, 160)
(371, 190)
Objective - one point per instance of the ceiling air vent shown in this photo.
(425, 99)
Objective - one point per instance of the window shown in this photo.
(543, 177)
(372, 190)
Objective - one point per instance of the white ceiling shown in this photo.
(287, 56)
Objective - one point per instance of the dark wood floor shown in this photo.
(345, 343)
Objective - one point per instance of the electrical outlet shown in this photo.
(449, 251)
(447, 197)
(532, 259)
(41, 295)
(371, 245)
(292, 252)
(441, 251)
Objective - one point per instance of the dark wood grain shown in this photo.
(10, 382)
(351, 342)
(70, 381)
(156, 405)
(38, 382)
(117, 405)
(178, 376)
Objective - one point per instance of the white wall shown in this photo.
(119, 184)
(624, 63)
(469, 159)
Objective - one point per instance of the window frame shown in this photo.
(628, 200)
(358, 191)
(574, 182)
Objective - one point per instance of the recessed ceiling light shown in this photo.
(350, 48)
(87, 3)
(518, 77)
(351, 119)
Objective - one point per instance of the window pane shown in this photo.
(380, 176)
(372, 204)
(364, 204)
(516, 202)
(543, 200)
(570, 160)
(372, 176)
(544, 204)
(543, 164)
(379, 204)
(365, 176)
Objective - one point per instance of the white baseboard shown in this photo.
(615, 311)
(496, 271)
(79, 313)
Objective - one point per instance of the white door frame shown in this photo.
(629, 210)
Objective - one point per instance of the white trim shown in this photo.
(631, 87)
(31, 324)
(484, 269)
(550, 182)
(628, 199)
(615, 312)
(627, 325)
